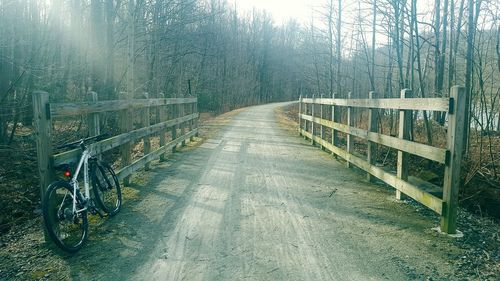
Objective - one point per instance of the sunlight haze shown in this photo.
(301, 10)
(281, 10)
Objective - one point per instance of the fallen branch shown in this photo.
(333, 191)
(6, 95)
(469, 197)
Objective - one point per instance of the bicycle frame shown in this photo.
(84, 161)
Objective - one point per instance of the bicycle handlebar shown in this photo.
(82, 141)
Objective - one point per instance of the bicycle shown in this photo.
(65, 208)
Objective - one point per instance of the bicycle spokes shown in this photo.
(106, 188)
(66, 222)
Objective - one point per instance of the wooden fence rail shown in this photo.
(450, 156)
(170, 114)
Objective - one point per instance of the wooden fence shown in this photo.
(451, 156)
(174, 117)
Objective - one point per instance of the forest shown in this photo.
(230, 58)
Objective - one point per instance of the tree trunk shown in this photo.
(419, 68)
(374, 33)
(131, 49)
(468, 72)
(451, 68)
(97, 50)
(330, 42)
(339, 47)
(498, 48)
(398, 41)
(110, 51)
(441, 60)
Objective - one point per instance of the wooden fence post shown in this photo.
(373, 116)
(196, 124)
(190, 110)
(174, 114)
(321, 128)
(455, 145)
(43, 125)
(191, 122)
(350, 123)
(93, 118)
(43, 131)
(405, 120)
(146, 122)
(126, 124)
(306, 125)
(93, 122)
(160, 117)
(335, 118)
(182, 113)
(312, 122)
(300, 115)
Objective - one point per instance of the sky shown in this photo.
(301, 10)
(282, 10)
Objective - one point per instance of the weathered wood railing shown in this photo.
(451, 156)
(171, 114)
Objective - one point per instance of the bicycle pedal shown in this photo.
(99, 213)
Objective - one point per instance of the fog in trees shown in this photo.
(230, 58)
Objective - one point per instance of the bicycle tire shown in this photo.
(68, 230)
(106, 187)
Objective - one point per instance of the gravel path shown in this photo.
(256, 202)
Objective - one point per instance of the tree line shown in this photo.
(230, 59)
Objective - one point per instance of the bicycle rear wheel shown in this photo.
(107, 191)
(68, 229)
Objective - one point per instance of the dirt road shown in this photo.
(255, 202)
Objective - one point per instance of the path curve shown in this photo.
(256, 202)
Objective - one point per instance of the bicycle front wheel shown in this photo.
(68, 228)
(108, 195)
